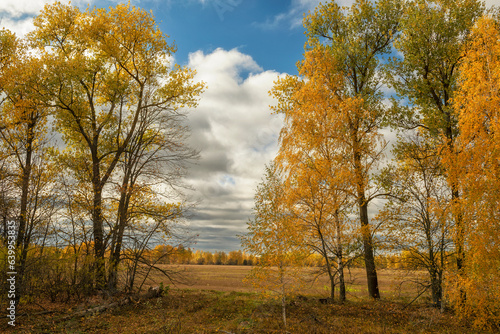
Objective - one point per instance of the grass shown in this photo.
(394, 284)
(216, 301)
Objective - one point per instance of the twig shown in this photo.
(424, 290)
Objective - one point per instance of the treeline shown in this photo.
(438, 198)
(92, 149)
(166, 254)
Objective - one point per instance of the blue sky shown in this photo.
(239, 48)
(253, 27)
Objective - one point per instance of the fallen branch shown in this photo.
(152, 293)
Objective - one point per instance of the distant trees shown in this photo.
(166, 254)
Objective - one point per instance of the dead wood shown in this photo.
(153, 292)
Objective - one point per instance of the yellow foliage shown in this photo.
(476, 165)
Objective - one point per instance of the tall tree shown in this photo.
(356, 37)
(23, 144)
(9, 45)
(316, 158)
(432, 39)
(156, 156)
(105, 67)
(476, 169)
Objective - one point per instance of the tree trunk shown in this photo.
(436, 288)
(371, 272)
(331, 274)
(283, 305)
(98, 228)
(22, 236)
(118, 239)
(342, 291)
(340, 257)
(460, 237)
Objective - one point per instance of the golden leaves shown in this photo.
(475, 165)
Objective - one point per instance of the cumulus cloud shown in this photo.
(237, 135)
(20, 26)
(16, 9)
(17, 15)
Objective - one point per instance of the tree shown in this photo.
(356, 38)
(9, 45)
(156, 157)
(105, 68)
(476, 169)
(23, 135)
(316, 158)
(432, 39)
(321, 207)
(274, 238)
(416, 218)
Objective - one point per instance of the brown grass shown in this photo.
(393, 284)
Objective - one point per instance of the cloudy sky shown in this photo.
(238, 47)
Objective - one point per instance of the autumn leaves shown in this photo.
(475, 167)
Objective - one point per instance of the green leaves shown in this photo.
(356, 36)
(432, 39)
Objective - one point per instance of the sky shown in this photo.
(238, 48)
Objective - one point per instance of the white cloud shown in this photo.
(19, 27)
(17, 15)
(16, 9)
(237, 135)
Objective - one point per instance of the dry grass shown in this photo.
(393, 284)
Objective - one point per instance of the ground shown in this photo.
(215, 300)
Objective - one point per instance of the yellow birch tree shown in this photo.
(274, 237)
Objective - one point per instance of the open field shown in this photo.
(216, 301)
(394, 284)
